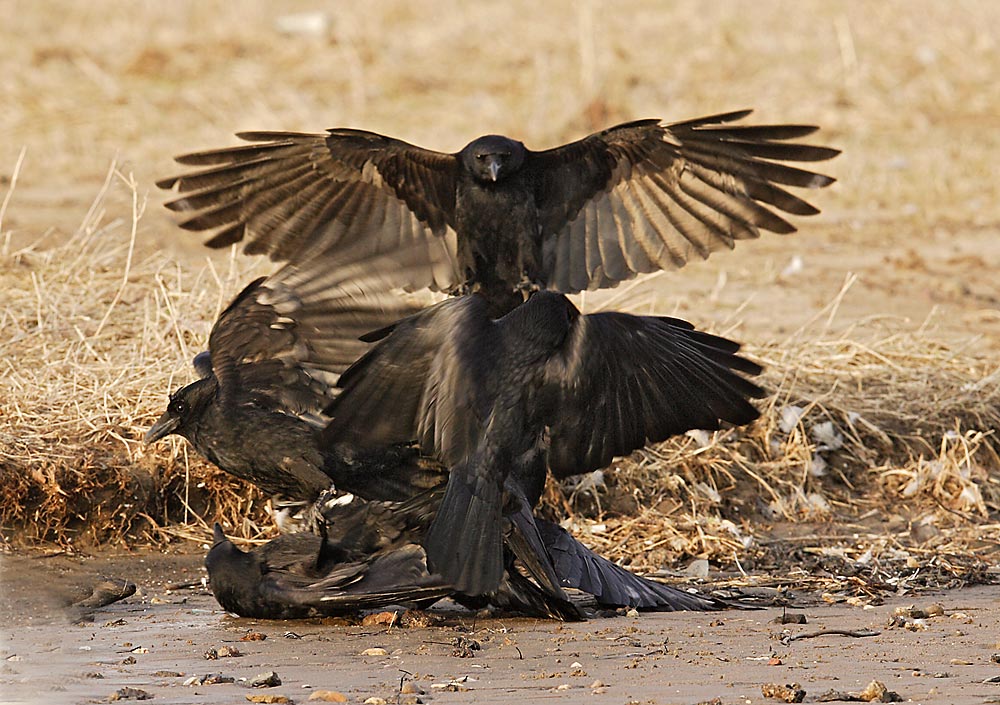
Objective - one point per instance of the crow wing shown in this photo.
(648, 195)
(284, 338)
(640, 379)
(580, 568)
(319, 195)
(419, 383)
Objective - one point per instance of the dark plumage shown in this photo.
(255, 413)
(366, 554)
(544, 386)
(273, 358)
(303, 575)
(496, 216)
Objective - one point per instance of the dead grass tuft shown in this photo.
(877, 444)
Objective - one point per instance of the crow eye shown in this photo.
(178, 407)
(480, 157)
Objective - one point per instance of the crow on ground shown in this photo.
(497, 217)
(301, 575)
(366, 554)
(257, 414)
(499, 401)
(273, 358)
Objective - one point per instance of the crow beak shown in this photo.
(164, 426)
(494, 168)
(218, 535)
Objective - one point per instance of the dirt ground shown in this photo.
(906, 249)
(156, 641)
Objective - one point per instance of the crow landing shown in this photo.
(499, 401)
(497, 217)
(256, 414)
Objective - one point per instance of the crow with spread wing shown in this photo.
(497, 217)
(500, 401)
(256, 413)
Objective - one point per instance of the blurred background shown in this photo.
(908, 90)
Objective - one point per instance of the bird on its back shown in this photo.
(544, 387)
(497, 217)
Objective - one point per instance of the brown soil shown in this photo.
(157, 640)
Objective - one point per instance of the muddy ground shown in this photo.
(156, 642)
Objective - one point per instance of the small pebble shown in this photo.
(268, 679)
(329, 696)
(597, 684)
(411, 688)
(376, 701)
(268, 698)
(129, 694)
(375, 651)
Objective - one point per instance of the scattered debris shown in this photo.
(167, 674)
(253, 636)
(464, 647)
(222, 652)
(268, 679)
(873, 692)
(209, 679)
(129, 694)
(456, 685)
(856, 634)
(785, 693)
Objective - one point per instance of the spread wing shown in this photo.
(285, 338)
(395, 576)
(415, 384)
(646, 195)
(580, 568)
(641, 379)
(327, 193)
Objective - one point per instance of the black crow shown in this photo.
(498, 217)
(256, 412)
(302, 575)
(366, 554)
(273, 357)
(499, 401)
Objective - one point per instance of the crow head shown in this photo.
(493, 157)
(186, 407)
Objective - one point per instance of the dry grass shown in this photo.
(884, 341)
